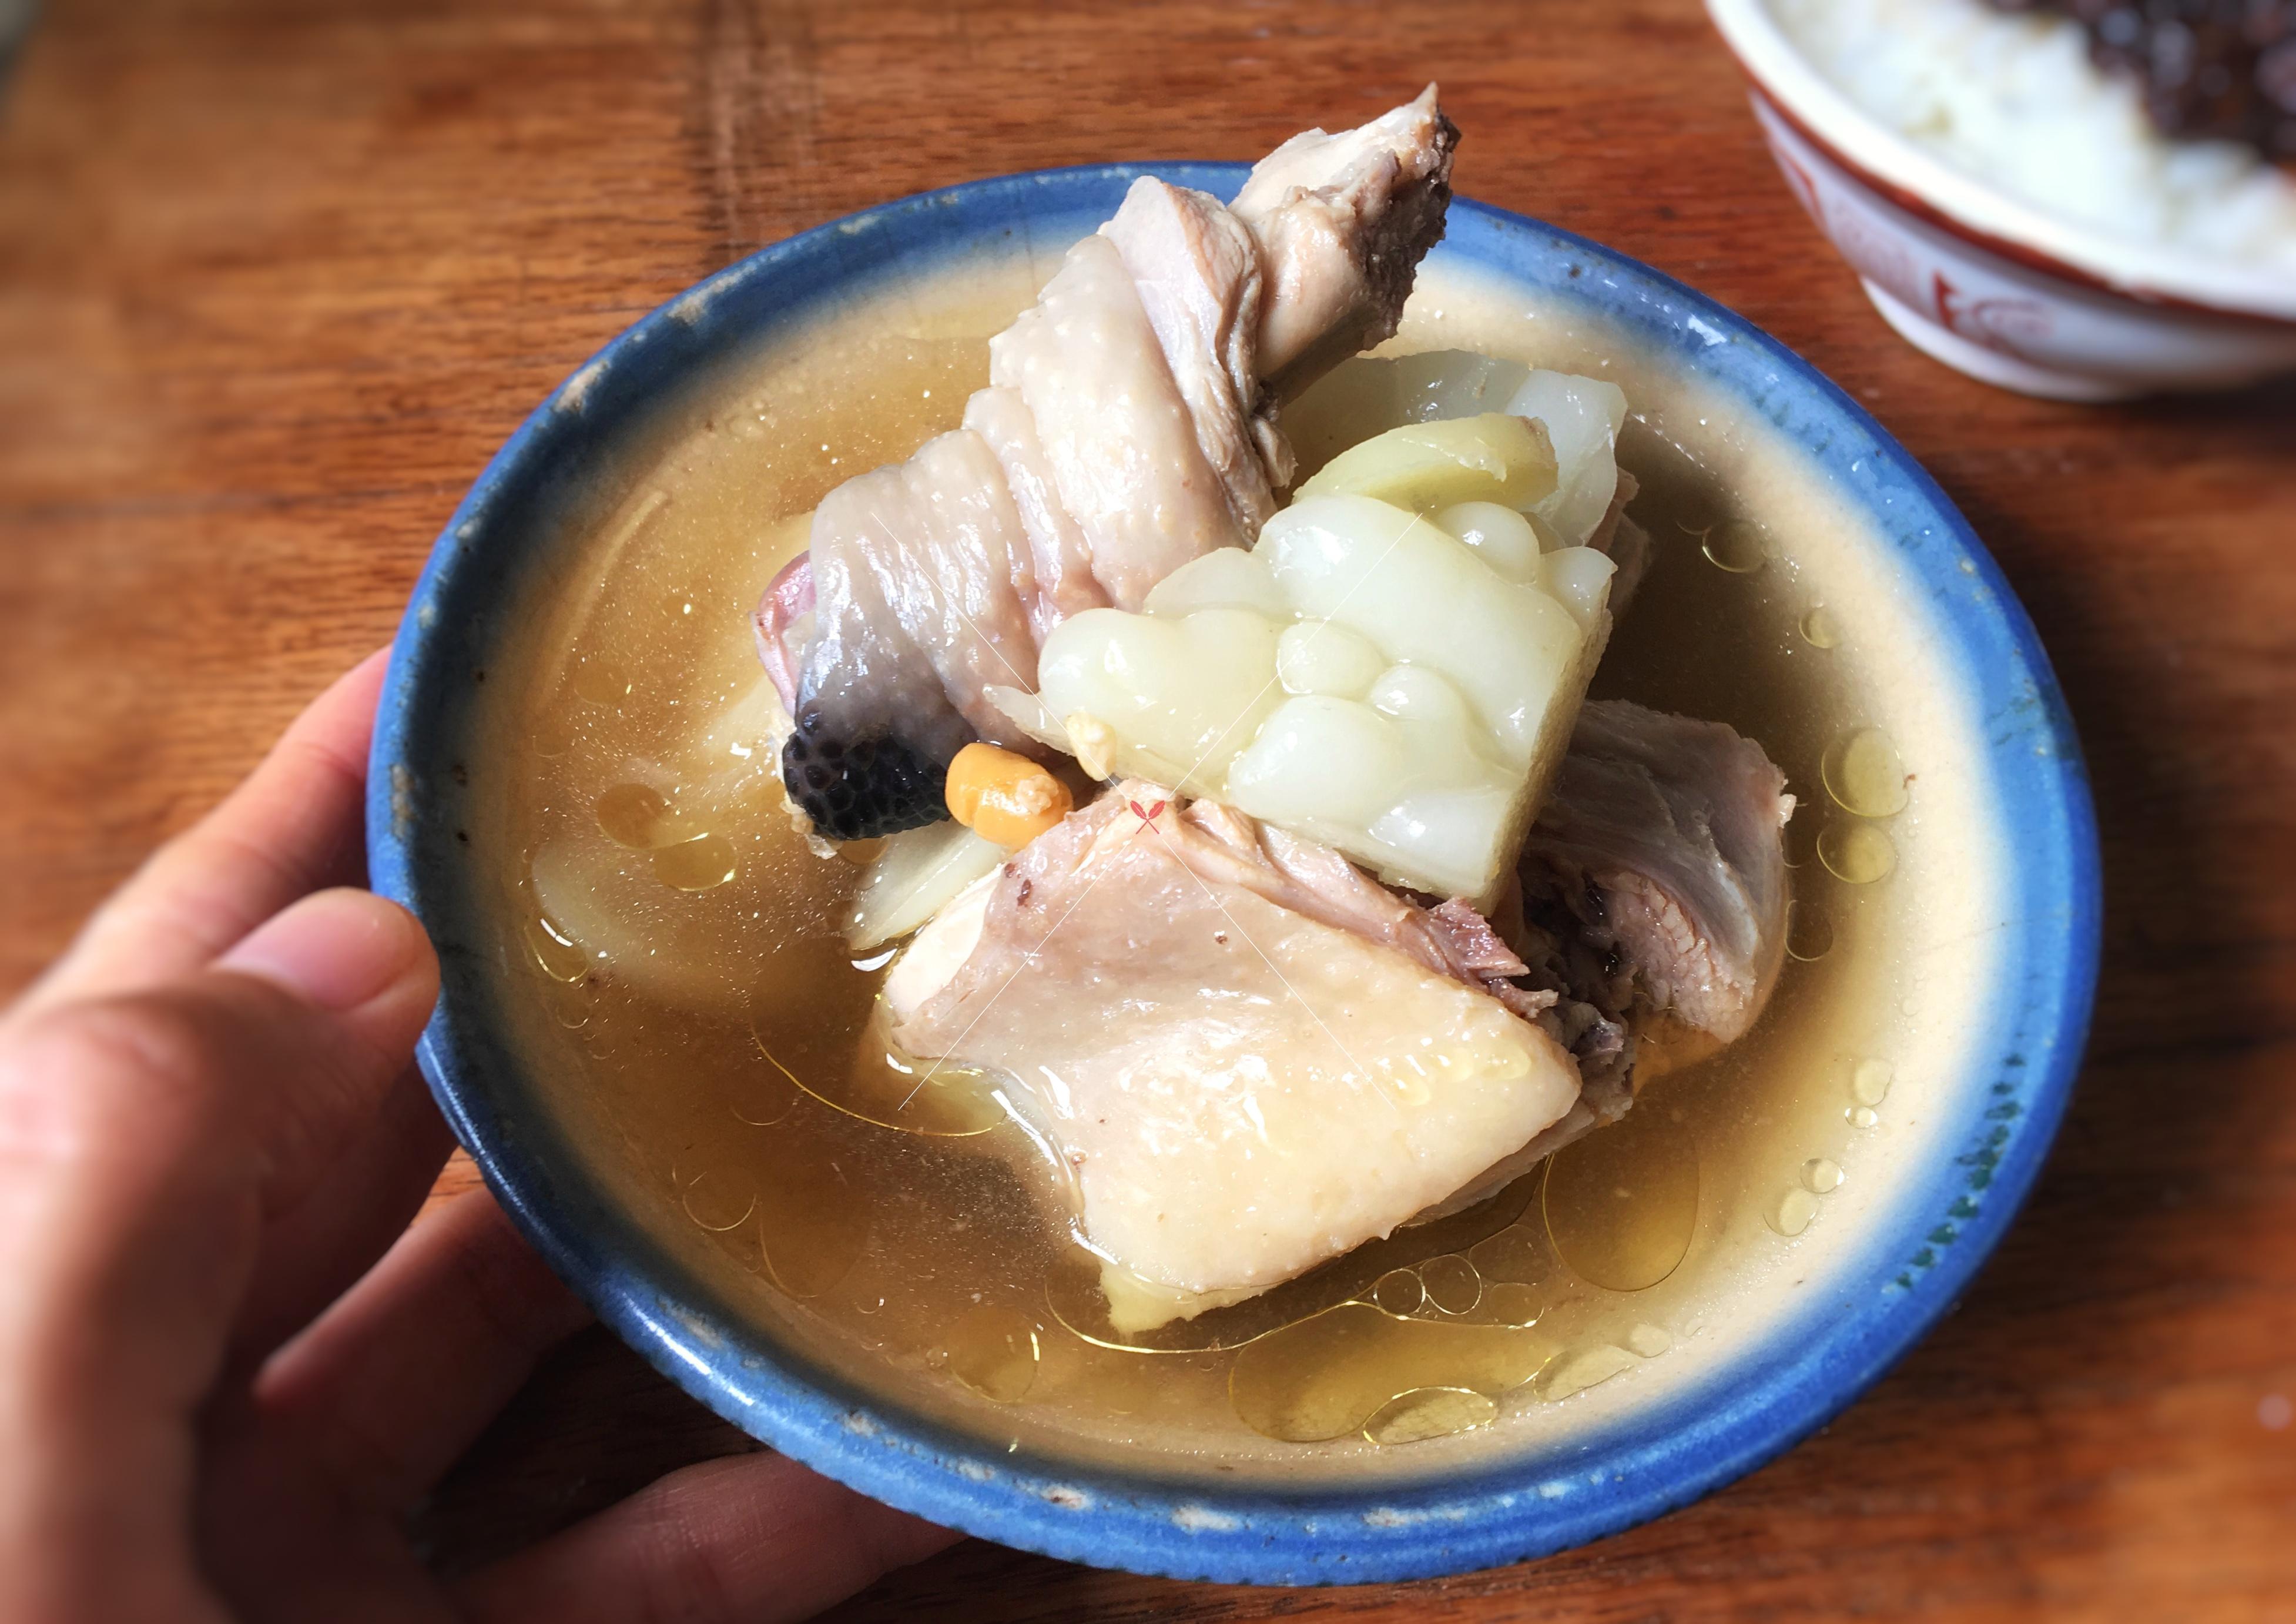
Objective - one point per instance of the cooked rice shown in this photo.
(2014, 102)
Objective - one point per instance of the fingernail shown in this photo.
(340, 950)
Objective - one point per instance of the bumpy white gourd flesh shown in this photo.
(1583, 417)
(1491, 458)
(1367, 396)
(1397, 682)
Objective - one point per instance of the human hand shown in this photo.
(226, 1374)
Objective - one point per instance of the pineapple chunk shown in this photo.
(1396, 686)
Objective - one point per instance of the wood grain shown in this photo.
(276, 278)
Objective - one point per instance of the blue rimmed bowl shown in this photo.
(1992, 1122)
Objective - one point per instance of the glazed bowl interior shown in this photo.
(1812, 517)
(1908, 174)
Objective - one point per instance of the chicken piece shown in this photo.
(1196, 270)
(1605, 1095)
(1250, 1058)
(1128, 428)
(920, 572)
(1224, 845)
(1060, 558)
(1660, 849)
(1343, 222)
(1115, 429)
(1652, 911)
(1652, 907)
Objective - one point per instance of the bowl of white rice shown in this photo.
(2009, 205)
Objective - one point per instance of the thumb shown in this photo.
(366, 978)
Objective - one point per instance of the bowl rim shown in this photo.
(1925, 185)
(1488, 1515)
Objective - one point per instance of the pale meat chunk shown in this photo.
(1063, 558)
(1198, 275)
(1342, 221)
(1314, 880)
(1661, 847)
(1242, 1090)
(1652, 908)
(1115, 429)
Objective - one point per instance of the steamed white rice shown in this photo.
(2015, 103)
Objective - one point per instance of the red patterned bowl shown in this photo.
(1987, 283)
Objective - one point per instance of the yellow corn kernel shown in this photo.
(1004, 797)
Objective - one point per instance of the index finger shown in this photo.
(290, 828)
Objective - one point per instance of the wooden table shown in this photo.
(276, 277)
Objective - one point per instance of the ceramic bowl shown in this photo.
(1993, 1122)
(1989, 284)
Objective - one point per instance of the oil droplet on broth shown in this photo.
(1330, 1374)
(1430, 1412)
(1791, 1212)
(812, 1223)
(1869, 1083)
(1863, 1116)
(699, 864)
(551, 734)
(1738, 546)
(559, 956)
(1856, 853)
(599, 681)
(1864, 776)
(763, 1098)
(1452, 1284)
(994, 1351)
(1821, 1177)
(1649, 1342)
(1622, 1202)
(718, 1201)
(1809, 933)
(1509, 1303)
(638, 816)
(569, 1002)
(1819, 628)
(1399, 1293)
(1575, 1372)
